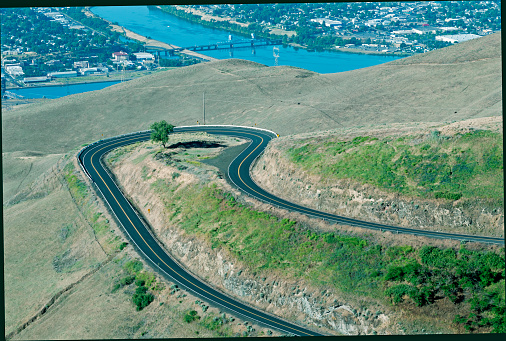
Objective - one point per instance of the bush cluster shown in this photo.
(191, 316)
(143, 281)
(142, 298)
(348, 263)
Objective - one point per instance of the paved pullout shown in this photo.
(239, 174)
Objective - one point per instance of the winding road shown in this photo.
(239, 173)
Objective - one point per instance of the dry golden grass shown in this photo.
(33, 241)
(285, 99)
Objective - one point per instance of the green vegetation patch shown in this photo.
(191, 316)
(100, 225)
(443, 167)
(145, 283)
(217, 324)
(400, 274)
(77, 187)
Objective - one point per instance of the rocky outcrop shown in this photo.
(274, 172)
(292, 299)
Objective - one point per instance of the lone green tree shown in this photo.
(161, 131)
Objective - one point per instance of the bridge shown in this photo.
(224, 45)
(230, 44)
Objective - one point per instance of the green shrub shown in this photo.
(448, 195)
(395, 273)
(133, 266)
(115, 288)
(432, 256)
(212, 322)
(191, 316)
(398, 292)
(422, 296)
(142, 298)
(127, 280)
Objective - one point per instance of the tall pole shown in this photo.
(204, 106)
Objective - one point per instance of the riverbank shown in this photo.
(372, 53)
(45, 85)
(205, 19)
(148, 41)
(113, 77)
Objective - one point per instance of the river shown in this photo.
(159, 25)
(57, 91)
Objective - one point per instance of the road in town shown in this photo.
(239, 174)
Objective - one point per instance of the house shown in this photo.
(119, 56)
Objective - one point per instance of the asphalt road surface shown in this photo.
(239, 174)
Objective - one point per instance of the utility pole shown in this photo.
(204, 106)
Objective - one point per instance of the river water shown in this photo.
(60, 91)
(159, 25)
(154, 23)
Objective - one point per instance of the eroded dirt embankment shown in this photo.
(278, 175)
(293, 299)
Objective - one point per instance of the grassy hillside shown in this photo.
(285, 99)
(288, 100)
(468, 165)
(454, 286)
(40, 239)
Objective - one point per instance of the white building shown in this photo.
(402, 32)
(10, 52)
(142, 56)
(14, 70)
(28, 80)
(327, 22)
(81, 64)
(88, 71)
(457, 38)
(424, 30)
(65, 74)
(119, 56)
(446, 29)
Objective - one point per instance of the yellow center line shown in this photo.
(302, 208)
(219, 298)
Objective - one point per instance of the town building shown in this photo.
(14, 70)
(28, 80)
(457, 38)
(93, 71)
(76, 27)
(142, 56)
(81, 64)
(424, 30)
(65, 74)
(119, 56)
